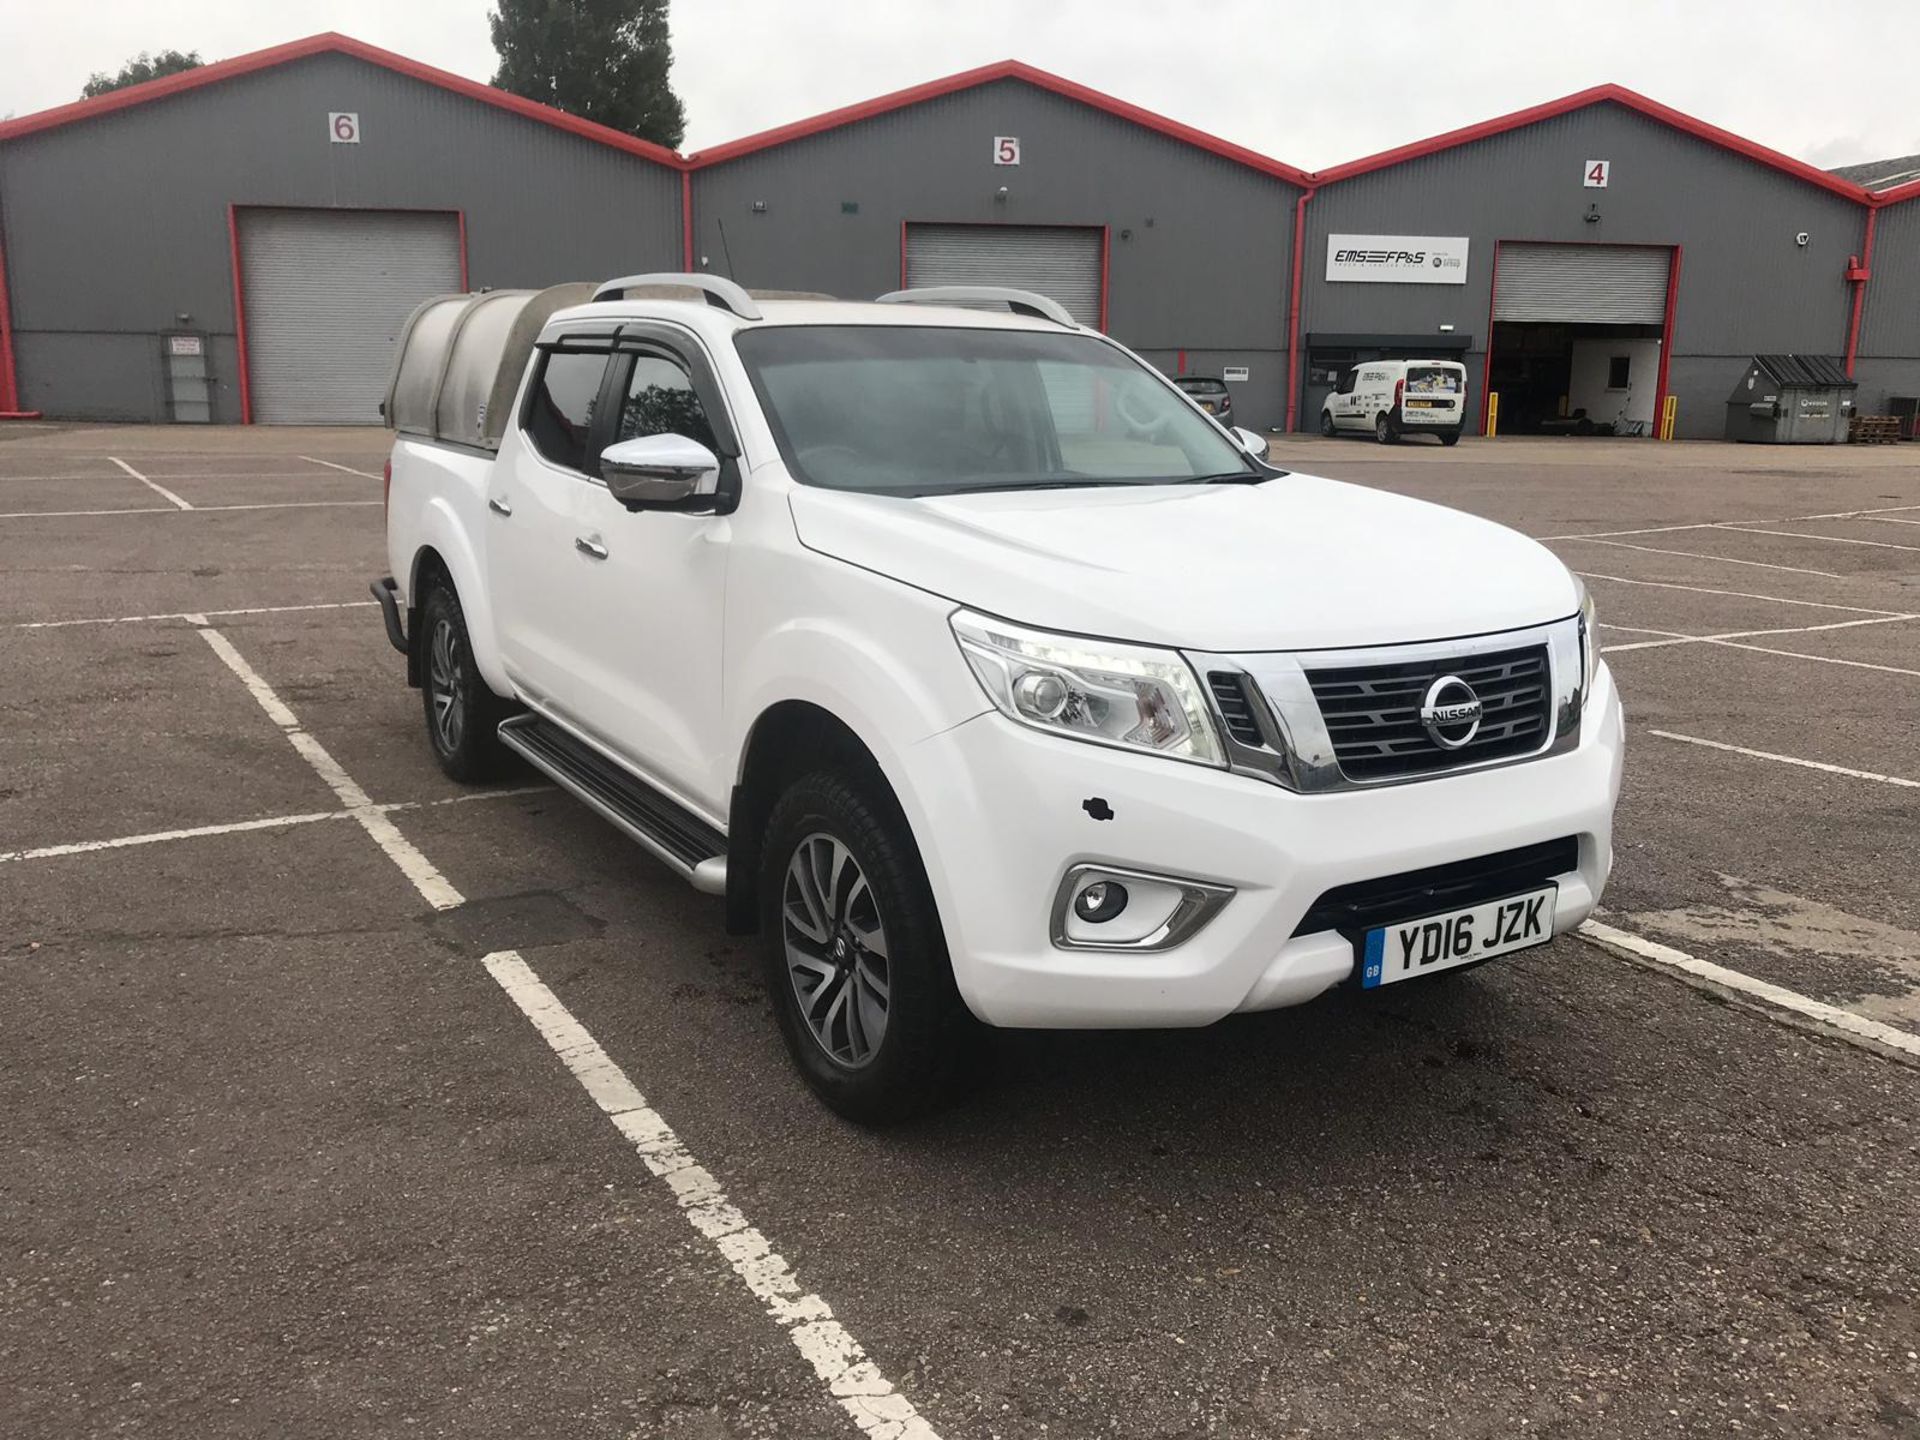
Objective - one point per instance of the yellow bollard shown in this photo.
(1493, 413)
(1669, 416)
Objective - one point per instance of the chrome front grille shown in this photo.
(1372, 712)
(1349, 719)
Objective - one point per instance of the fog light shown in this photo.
(1100, 902)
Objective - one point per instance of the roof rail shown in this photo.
(1020, 302)
(721, 293)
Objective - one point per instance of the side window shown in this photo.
(560, 406)
(660, 401)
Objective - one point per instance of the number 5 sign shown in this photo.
(1006, 149)
(343, 127)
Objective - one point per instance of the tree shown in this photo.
(603, 60)
(142, 68)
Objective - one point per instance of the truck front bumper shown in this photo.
(1004, 813)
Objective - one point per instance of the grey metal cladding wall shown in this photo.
(1890, 323)
(1206, 263)
(1745, 286)
(116, 224)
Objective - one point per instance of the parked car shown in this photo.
(1210, 394)
(977, 670)
(1392, 398)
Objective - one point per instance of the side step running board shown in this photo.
(674, 835)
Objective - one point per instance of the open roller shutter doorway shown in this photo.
(1062, 262)
(1581, 284)
(325, 294)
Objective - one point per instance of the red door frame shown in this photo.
(239, 284)
(1106, 248)
(1666, 324)
(9, 376)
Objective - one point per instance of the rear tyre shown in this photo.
(1449, 437)
(856, 961)
(1384, 430)
(463, 715)
(1326, 423)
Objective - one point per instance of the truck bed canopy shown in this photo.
(460, 360)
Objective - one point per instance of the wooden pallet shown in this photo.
(1873, 430)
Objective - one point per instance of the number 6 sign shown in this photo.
(343, 127)
(1006, 149)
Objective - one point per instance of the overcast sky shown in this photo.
(1309, 83)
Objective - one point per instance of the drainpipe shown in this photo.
(1293, 310)
(1859, 271)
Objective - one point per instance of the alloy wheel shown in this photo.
(836, 949)
(446, 684)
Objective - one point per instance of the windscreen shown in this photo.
(1435, 380)
(913, 410)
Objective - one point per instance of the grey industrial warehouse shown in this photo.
(240, 243)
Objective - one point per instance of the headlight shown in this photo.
(1125, 695)
(1589, 640)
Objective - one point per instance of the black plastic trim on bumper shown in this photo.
(1355, 909)
(388, 594)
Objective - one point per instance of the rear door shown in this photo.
(533, 503)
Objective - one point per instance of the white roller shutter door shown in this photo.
(326, 295)
(1581, 284)
(1058, 261)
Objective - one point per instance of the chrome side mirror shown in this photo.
(1252, 442)
(660, 472)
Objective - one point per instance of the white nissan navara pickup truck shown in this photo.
(986, 677)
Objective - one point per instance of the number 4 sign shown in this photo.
(343, 127)
(1597, 172)
(1006, 149)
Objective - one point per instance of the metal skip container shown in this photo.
(1791, 400)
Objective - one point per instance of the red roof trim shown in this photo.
(1599, 94)
(986, 75)
(335, 44)
(1908, 191)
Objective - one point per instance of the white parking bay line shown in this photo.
(153, 485)
(431, 884)
(853, 1381)
(315, 460)
(196, 615)
(1822, 659)
(1821, 765)
(1674, 637)
(1770, 999)
(1741, 594)
(196, 509)
(1703, 555)
(1830, 539)
(241, 827)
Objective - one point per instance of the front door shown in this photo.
(650, 590)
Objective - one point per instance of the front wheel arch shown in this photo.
(789, 739)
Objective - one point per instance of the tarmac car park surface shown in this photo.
(370, 1105)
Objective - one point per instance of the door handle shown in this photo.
(498, 505)
(588, 547)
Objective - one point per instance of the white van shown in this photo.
(1399, 397)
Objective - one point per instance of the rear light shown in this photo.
(1399, 392)
(386, 486)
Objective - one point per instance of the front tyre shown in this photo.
(1326, 423)
(856, 962)
(463, 715)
